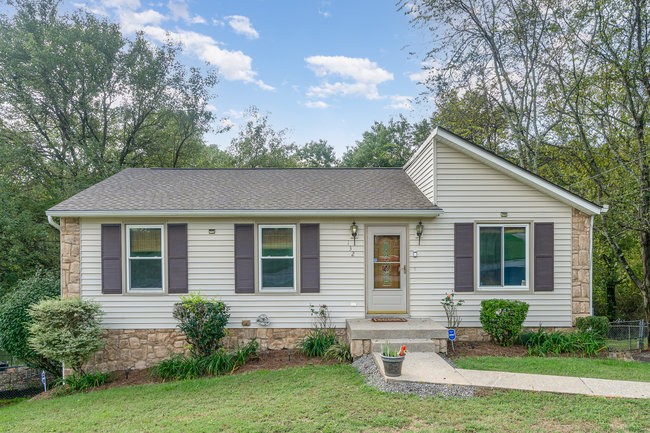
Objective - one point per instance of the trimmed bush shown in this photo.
(599, 325)
(220, 362)
(67, 330)
(15, 320)
(502, 319)
(203, 321)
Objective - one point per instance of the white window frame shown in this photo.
(161, 258)
(260, 257)
(526, 227)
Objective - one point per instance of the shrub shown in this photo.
(67, 330)
(542, 343)
(339, 351)
(599, 325)
(450, 304)
(322, 336)
(190, 367)
(317, 342)
(203, 321)
(15, 320)
(82, 382)
(502, 319)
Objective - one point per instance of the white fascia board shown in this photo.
(517, 172)
(414, 213)
(420, 149)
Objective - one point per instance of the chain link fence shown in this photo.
(627, 335)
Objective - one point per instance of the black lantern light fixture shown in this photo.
(354, 230)
(418, 231)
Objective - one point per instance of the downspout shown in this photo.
(50, 220)
(52, 223)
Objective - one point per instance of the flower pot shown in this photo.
(392, 365)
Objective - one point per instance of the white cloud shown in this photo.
(419, 77)
(133, 21)
(400, 102)
(362, 75)
(180, 11)
(316, 104)
(242, 26)
(122, 4)
(232, 65)
(92, 8)
(325, 14)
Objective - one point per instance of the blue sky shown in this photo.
(320, 69)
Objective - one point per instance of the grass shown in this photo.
(315, 399)
(580, 367)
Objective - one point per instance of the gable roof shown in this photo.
(503, 165)
(251, 192)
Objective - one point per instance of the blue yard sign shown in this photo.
(451, 334)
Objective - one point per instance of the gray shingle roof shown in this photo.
(228, 190)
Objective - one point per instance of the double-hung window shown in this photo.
(145, 258)
(503, 260)
(277, 258)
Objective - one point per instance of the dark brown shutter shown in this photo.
(244, 258)
(544, 253)
(177, 258)
(111, 259)
(464, 257)
(309, 258)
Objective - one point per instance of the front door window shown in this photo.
(387, 262)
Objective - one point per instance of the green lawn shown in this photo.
(580, 367)
(315, 399)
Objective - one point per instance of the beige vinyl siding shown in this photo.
(211, 272)
(420, 170)
(470, 191)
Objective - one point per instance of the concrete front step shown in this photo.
(366, 329)
(412, 344)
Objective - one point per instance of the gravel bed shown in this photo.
(366, 366)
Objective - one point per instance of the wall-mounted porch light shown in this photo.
(354, 231)
(419, 229)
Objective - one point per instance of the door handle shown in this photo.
(404, 268)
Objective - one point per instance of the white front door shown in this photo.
(386, 270)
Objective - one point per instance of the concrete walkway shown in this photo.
(429, 367)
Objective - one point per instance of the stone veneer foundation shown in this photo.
(70, 257)
(142, 348)
(581, 262)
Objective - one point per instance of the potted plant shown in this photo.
(392, 359)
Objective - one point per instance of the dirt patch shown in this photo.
(483, 348)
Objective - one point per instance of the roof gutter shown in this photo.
(52, 223)
(352, 213)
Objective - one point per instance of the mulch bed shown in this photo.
(483, 348)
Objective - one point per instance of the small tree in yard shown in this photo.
(67, 330)
(15, 320)
(450, 304)
(203, 321)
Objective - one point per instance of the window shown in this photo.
(144, 247)
(503, 256)
(277, 248)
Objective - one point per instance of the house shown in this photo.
(365, 242)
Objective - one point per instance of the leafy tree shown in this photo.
(387, 145)
(15, 320)
(317, 154)
(259, 145)
(474, 116)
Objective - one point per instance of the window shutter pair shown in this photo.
(543, 270)
(112, 258)
(245, 258)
